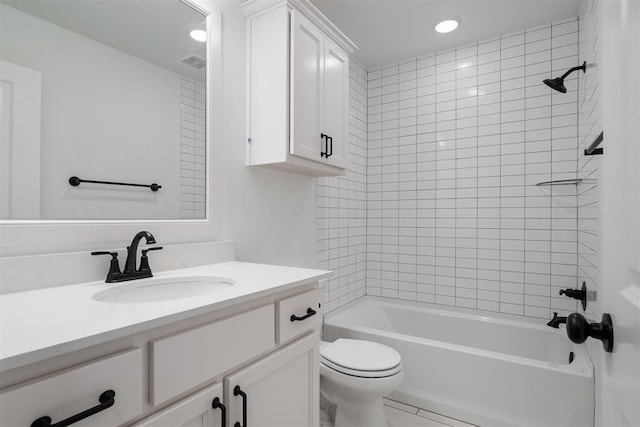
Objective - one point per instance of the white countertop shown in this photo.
(39, 324)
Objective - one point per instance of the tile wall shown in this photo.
(192, 149)
(456, 142)
(589, 126)
(341, 208)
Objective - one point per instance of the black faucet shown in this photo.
(130, 272)
(556, 321)
(132, 250)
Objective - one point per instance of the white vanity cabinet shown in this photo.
(185, 373)
(281, 389)
(70, 392)
(297, 90)
(197, 410)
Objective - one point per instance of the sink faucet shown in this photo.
(132, 250)
(130, 271)
(556, 321)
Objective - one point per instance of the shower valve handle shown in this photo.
(579, 294)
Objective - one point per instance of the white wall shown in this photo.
(269, 214)
(124, 129)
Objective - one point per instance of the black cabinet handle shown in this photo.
(310, 312)
(326, 145)
(330, 146)
(216, 404)
(238, 392)
(106, 399)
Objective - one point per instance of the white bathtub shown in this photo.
(489, 371)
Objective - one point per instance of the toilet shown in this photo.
(354, 376)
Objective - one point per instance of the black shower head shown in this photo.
(558, 82)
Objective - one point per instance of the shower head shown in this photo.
(558, 82)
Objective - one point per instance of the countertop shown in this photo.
(39, 324)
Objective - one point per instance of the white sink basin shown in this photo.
(166, 289)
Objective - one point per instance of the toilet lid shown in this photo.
(360, 355)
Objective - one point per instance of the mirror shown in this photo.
(102, 90)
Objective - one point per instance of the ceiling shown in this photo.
(156, 31)
(386, 31)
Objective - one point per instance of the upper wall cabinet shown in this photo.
(297, 88)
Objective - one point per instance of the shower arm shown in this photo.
(582, 67)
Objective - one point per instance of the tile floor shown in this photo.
(401, 415)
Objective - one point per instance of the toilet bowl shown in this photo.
(354, 376)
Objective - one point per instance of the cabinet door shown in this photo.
(336, 102)
(305, 87)
(282, 389)
(194, 411)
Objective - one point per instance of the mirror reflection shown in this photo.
(102, 90)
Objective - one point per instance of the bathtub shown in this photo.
(497, 370)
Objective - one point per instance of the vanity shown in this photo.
(242, 352)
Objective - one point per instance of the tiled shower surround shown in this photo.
(341, 211)
(456, 142)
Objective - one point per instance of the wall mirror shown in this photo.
(103, 90)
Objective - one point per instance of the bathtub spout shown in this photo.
(556, 321)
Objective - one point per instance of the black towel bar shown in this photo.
(75, 181)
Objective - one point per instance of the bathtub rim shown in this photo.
(581, 365)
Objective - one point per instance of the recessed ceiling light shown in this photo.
(199, 35)
(446, 25)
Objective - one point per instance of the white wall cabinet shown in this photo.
(298, 88)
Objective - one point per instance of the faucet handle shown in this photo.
(155, 248)
(113, 254)
(144, 261)
(114, 266)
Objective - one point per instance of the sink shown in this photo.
(164, 289)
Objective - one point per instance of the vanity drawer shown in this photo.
(66, 393)
(297, 315)
(187, 359)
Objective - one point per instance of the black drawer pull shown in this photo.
(310, 312)
(238, 392)
(216, 404)
(106, 399)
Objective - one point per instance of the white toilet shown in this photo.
(354, 376)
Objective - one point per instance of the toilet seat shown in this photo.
(359, 358)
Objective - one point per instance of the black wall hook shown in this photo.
(579, 329)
